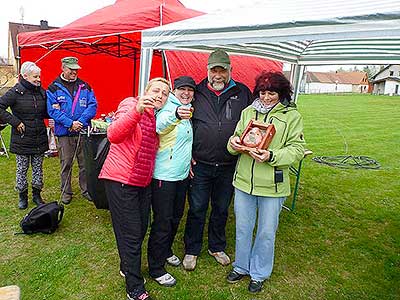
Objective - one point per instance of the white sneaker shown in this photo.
(173, 260)
(221, 257)
(189, 262)
(166, 280)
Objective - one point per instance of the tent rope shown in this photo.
(348, 162)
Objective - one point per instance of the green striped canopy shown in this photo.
(299, 32)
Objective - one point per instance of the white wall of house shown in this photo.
(389, 87)
(316, 88)
(391, 71)
(379, 88)
(11, 55)
(360, 88)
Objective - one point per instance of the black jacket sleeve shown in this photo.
(6, 101)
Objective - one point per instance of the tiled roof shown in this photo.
(336, 77)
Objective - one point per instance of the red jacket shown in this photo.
(133, 147)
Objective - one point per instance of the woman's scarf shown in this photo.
(259, 106)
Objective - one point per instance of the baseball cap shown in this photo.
(219, 58)
(184, 81)
(71, 62)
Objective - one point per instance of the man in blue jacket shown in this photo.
(219, 101)
(72, 104)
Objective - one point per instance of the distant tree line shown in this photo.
(371, 70)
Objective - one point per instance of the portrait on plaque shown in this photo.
(257, 135)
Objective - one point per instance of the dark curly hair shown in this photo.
(274, 82)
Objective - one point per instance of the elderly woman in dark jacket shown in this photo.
(27, 100)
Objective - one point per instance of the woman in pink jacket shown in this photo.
(127, 172)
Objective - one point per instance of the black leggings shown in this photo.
(168, 204)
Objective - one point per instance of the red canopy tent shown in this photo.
(107, 43)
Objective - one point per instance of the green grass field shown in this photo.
(341, 242)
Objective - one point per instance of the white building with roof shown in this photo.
(387, 81)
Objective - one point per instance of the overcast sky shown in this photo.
(59, 13)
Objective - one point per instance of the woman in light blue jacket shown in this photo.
(170, 178)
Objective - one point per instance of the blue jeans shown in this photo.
(256, 259)
(210, 183)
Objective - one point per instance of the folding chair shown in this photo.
(3, 144)
(296, 171)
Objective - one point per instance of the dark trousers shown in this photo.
(130, 208)
(209, 184)
(67, 145)
(168, 204)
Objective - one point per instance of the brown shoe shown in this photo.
(221, 257)
(189, 262)
(66, 199)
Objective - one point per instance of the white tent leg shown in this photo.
(146, 56)
(296, 74)
(3, 146)
(167, 67)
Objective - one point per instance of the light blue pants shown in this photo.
(256, 259)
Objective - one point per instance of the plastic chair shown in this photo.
(296, 171)
(3, 144)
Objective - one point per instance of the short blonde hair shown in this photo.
(157, 79)
(29, 67)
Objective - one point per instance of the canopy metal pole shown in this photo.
(296, 74)
(146, 55)
(52, 48)
(166, 73)
(134, 72)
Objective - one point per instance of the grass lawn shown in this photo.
(342, 241)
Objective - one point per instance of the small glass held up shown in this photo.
(185, 112)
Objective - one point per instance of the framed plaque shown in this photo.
(257, 135)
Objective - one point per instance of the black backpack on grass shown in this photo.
(43, 218)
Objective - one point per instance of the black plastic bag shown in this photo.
(96, 147)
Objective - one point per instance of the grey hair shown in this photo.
(29, 67)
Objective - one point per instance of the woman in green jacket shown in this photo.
(261, 179)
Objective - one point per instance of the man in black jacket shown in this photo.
(217, 108)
